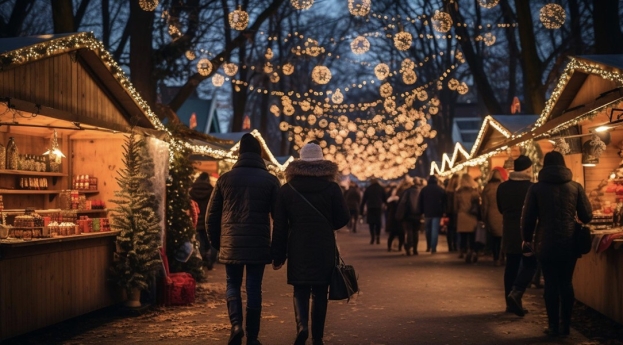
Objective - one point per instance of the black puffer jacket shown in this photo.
(238, 218)
(553, 202)
(201, 191)
(510, 198)
(300, 233)
(373, 198)
(432, 201)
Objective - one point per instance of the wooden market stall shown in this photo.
(62, 89)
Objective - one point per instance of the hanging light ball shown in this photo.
(148, 5)
(318, 110)
(462, 88)
(386, 90)
(311, 119)
(204, 67)
(287, 68)
(274, 78)
(488, 3)
(403, 40)
(302, 4)
(238, 19)
(552, 16)
(409, 77)
(288, 111)
(422, 95)
(337, 97)
(218, 80)
(360, 45)
(381, 71)
(305, 106)
(453, 84)
(323, 123)
(283, 126)
(274, 109)
(190, 55)
(321, 74)
(489, 39)
(230, 68)
(359, 8)
(407, 64)
(442, 21)
(269, 53)
(268, 67)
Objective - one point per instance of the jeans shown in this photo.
(432, 233)
(558, 292)
(255, 274)
(375, 232)
(411, 235)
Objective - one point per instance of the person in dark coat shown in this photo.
(408, 215)
(548, 223)
(200, 192)
(510, 198)
(304, 235)
(452, 235)
(353, 200)
(373, 199)
(393, 226)
(238, 223)
(432, 204)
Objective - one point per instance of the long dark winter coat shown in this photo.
(373, 198)
(300, 234)
(554, 202)
(353, 198)
(407, 209)
(490, 213)
(238, 217)
(510, 198)
(200, 192)
(432, 201)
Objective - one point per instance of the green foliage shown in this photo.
(136, 260)
(180, 228)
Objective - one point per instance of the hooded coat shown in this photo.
(463, 200)
(510, 198)
(200, 192)
(553, 203)
(304, 235)
(238, 216)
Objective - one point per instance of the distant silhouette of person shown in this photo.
(373, 199)
(353, 201)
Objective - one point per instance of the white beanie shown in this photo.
(311, 152)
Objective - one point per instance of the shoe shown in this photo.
(318, 342)
(427, 250)
(415, 253)
(551, 332)
(461, 256)
(254, 315)
(513, 301)
(235, 337)
(253, 342)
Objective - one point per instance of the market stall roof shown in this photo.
(61, 60)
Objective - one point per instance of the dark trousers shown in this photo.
(352, 222)
(451, 235)
(255, 274)
(468, 240)
(375, 232)
(558, 292)
(513, 261)
(399, 234)
(318, 306)
(525, 273)
(411, 229)
(496, 243)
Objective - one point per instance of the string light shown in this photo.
(381, 71)
(488, 3)
(269, 54)
(321, 74)
(552, 16)
(360, 45)
(190, 55)
(204, 67)
(403, 40)
(287, 68)
(409, 77)
(230, 68)
(386, 90)
(337, 97)
(238, 19)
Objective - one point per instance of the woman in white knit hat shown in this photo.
(309, 208)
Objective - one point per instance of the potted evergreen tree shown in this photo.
(136, 260)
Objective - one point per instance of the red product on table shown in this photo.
(175, 288)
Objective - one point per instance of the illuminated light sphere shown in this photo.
(302, 4)
(268, 67)
(174, 31)
(323, 123)
(230, 68)
(407, 64)
(435, 101)
(305, 106)
(409, 77)
(552, 16)
(386, 90)
(422, 95)
(389, 105)
(287, 68)
(190, 55)
(343, 120)
(337, 97)
(360, 45)
(488, 3)
(370, 131)
(462, 89)
(453, 84)
(148, 5)
(433, 110)
(311, 119)
(274, 109)
(403, 40)
(283, 126)
(389, 130)
(218, 80)
(432, 134)
(297, 130)
(269, 53)
(318, 110)
(204, 67)
(442, 22)
(238, 19)
(489, 39)
(439, 85)
(313, 48)
(274, 78)
(321, 74)
(288, 111)
(381, 71)
(359, 8)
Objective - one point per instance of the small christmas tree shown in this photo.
(180, 229)
(137, 259)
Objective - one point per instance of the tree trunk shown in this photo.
(513, 59)
(576, 29)
(141, 52)
(106, 23)
(239, 98)
(607, 27)
(13, 27)
(63, 16)
(531, 64)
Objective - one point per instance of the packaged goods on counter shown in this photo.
(84, 182)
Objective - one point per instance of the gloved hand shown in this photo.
(526, 249)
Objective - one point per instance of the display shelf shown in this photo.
(87, 191)
(29, 191)
(31, 173)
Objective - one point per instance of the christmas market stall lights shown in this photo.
(66, 111)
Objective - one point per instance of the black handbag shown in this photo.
(581, 239)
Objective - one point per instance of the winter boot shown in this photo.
(513, 300)
(234, 309)
(318, 315)
(253, 325)
(301, 312)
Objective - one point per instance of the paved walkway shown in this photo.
(424, 299)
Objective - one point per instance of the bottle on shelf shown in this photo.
(12, 154)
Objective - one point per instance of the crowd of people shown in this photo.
(526, 226)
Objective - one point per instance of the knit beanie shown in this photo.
(248, 143)
(522, 163)
(554, 158)
(311, 152)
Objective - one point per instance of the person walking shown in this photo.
(451, 235)
(490, 214)
(200, 192)
(408, 215)
(548, 223)
(467, 206)
(238, 223)
(353, 200)
(310, 207)
(432, 204)
(510, 196)
(394, 227)
(373, 199)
